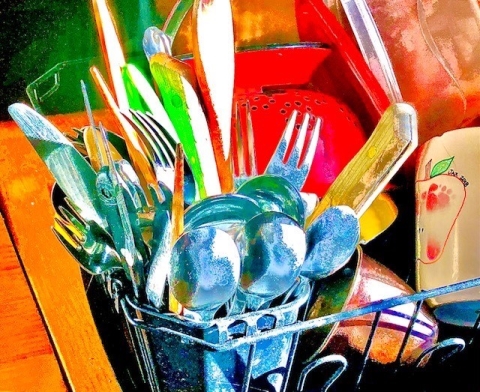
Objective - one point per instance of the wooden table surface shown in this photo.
(49, 341)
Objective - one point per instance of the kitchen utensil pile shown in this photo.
(173, 194)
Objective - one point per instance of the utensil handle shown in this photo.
(364, 177)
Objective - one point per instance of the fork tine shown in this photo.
(71, 223)
(240, 153)
(156, 135)
(294, 158)
(281, 150)
(145, 136)
(312, 145)
(60, 229)
(250, 142)
(155, 124)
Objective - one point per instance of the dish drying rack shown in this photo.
(252, 335)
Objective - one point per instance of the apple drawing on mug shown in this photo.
(441, 195)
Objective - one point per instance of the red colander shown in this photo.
(275, 81)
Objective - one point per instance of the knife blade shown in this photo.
(71, 171)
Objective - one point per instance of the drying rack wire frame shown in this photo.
(133, 313)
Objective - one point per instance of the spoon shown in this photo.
(275, 193)
(156, 41)
(204, 271)
(331, 241)
(364, 177)
(272, 247)
(225, 212)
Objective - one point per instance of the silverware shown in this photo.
(331, 241)
(160, 261)
(111, 50)
(144, 97)
(156, 41)
(294, 168)
(139, 154)
(184, 108)
(178, 211)
(204, 275)
(115, 209)
(280, 241)
(90, 245)
(71, 171)
(213, 47)
(175, 18)
(363, 178)
(242, 150)
(163, 145)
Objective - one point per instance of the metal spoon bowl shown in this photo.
(227, 212)
(275, 193)
(331, 241)
(272, 246)
(204, 270)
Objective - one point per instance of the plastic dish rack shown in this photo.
(256, 351)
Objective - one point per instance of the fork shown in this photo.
(162, 149)
(294, 169)
(243, 159)
(87, 242)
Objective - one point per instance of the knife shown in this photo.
(71, 171)
(214, 60)
(184, 109)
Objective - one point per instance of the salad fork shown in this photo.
(294, 168)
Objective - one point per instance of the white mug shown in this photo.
(447, 196)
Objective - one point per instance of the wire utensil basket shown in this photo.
(256, 351)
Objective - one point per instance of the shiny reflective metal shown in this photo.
(393, 140)
(295, 166)
(331, 241)
(228, 353)
(242, 149)
(71, 171)
(90, 245)
(169, 335)
(160, 260)
(228, 212)
(204, 271)
(156, 41)
(275, 193)
(272, 247)
(116, 212)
